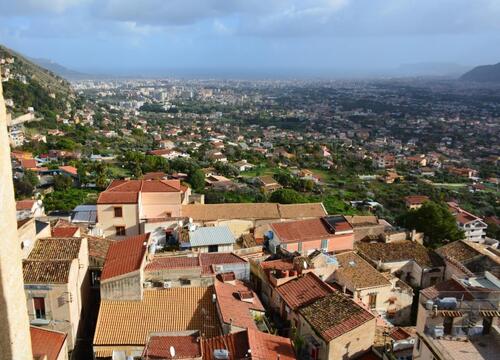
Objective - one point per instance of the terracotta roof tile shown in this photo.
(448, 288)
(298, 211)
(178, 309)
(171, 262)
(69, 169)
(28, 163)
(232, 308)
(399, 251)
(354, 270)
(207, 260)
(185, 346)
(236, 344)
(335, 315)
(56, 249)
(24, 204)
(261, 346)
(416, 199)
(458, 250)
(124, 256)
(46, 342)
(46, 272)
(303, 290)
(68, 231)
(213, 212)
(127, 191)
(301, 230)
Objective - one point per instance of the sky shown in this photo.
(256, 36)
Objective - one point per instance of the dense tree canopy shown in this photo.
(435, 221)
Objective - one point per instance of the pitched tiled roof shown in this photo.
(46, 272)
(334, 315)
(267, 346)
(178, 309)
(301, 230)
(458, 250)
(28, 163)
(236, 344)
(399, 251)
(303, 290)
(124, 256)
(207, 260)
(69, 169)
(362, 220)
(185, 346)
(260, 344)
(56, 249)
(298, 211)
(173, 262)
(279, 264)
(213, 212)
(24, 204)
(127, 191)
(416, 199)
(67, 231)
(234, 310)
(355, 271)
(448, 288)
(46, 342)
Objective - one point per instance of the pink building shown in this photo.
(330, 233)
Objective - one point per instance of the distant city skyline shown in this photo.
(312, 38)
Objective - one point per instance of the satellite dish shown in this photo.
(172, 351)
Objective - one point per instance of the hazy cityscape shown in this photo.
(210, 181)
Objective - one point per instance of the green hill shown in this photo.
(30, 85)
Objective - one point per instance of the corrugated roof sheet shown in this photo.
(179, 309)
(216, 235)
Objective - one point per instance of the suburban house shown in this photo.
(414, 202)
(124, 207)
(56, 284)
(243, 165)
(474, 228)
(366, 226)
(383, 293)
(29, 208)
(458, 319)
(329, 233)
(48, 344)
(408, 260)
(384, 161)
(268, 184)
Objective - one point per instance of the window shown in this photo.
(299, 249)
(169, 214)
(185, 282)
(372, 300)
(324, 244)
(120, 230)
(118, 211)
(39, 305)
(213, 248)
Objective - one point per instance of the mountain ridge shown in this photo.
(483, 73)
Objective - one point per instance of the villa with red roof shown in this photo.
(474, 227)
(127, 204)
(329, 233)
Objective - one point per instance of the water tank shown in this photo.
(448, 303)
(270, 235)
(429, 304)
(438, 331)
(152, 248)
(221, 354)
